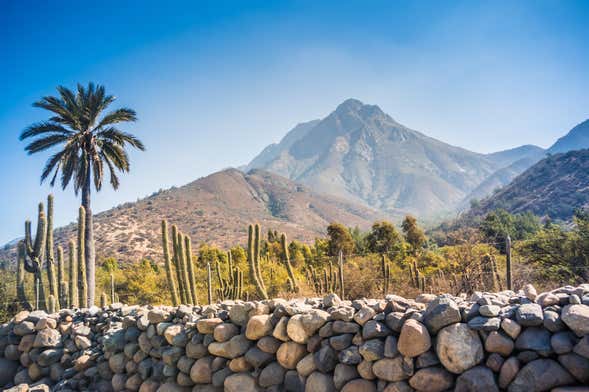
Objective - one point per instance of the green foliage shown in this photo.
(339, 239)
(561, 252)
(385, 239)
(497, 225)
(414, 235)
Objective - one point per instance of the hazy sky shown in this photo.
(215, 82)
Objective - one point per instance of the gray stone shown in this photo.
(562, 342)
(233, 348)
(459, 348)
(374, 329)
(576, 365)
(540, 375)
(319, 382)
(441, 312)
(534, 339)
(477, 379)
(342, 374)
(272, 374)
(372, 350)
(552, 321)
(529, 315)
(576, 317)
(392, 369)
(508, 371)
(240, 382)
(326, 359)
(359, 385)
(481, 323)
(496, 342)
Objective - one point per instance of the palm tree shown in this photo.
(88, 141)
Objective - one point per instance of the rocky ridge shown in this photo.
(510, 341)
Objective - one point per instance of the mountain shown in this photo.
(361, 153)
(498, 179)
(553, 187)
(576, 139)
(217, 210)
(528, 153)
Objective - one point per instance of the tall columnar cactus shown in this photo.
(177, 265)
(232, 286)
(386, 274)
(35, 250)
(285, 254)
(184, 270)
(73, 276)
(508, 277)
(168, 264)
(253, 247)
(62, 284)
(112, 288)
(104, 300)
(341, 274)
(209, 285)
(20, 277)
(52, 304)
(190, 267)
(416, 272)
(49, 253)
(82, 281)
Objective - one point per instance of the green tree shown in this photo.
(89, 143)
(339, 238)
(384, 238)
(414, 235)
(498, 224)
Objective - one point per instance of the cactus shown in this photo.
(62, 285)
(190, 267)
(73, 275)
(112, 288)
(104, 300)
(82, 282)
(508, 275)
(52, 304)
(253, 247)
(416, 272)
(341, 274)
(168, 264)
(386, 274)
(35, 250)
(49, 253)
(20, 277)
(184, 270)
(209, 284)
(285, 254)
(232, 286)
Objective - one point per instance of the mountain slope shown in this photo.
(506, 158)
(576, 139)
(217, 209)
(553, 187)
(361, 153)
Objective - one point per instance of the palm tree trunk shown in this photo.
(90, 254)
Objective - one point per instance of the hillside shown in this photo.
(553, 187)
(361, 153)
(217, 209)
(576, 139)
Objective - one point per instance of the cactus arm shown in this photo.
(168, 264)
(190, 265)
(73, 276)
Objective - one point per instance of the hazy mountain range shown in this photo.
(361, 153)
(355, 166)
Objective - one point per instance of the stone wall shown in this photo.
(489, 342)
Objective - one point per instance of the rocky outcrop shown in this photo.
(489, 342)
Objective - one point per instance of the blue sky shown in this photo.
(215, 82)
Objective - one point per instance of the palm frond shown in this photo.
(51, 164)
(117, 155)
(44, 127)
(119, 137)
(45, 143)
(117, 116)
(114, 179)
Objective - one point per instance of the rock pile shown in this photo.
(489, 342)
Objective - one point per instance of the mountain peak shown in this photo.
(350, 104)
(576, 139)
